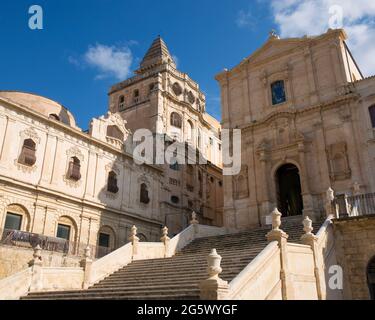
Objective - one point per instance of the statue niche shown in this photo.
(241, 185)
(339, 162)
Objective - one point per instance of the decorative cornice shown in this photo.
(297, 111)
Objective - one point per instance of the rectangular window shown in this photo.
(104, 240)
(13, 221)
(63, 231)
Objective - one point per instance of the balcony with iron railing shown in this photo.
(354, 206)
(52, 244)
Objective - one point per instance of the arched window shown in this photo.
(115, 132)
(176, 120)
(17, 218)
(74, 170)
(121, 103)
(112, 182)
(372, 115)
(189, 131)
(278, 92)
(106, 241)
(144, 198)
(27, 156)
(54, 116)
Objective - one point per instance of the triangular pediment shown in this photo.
(276, 47)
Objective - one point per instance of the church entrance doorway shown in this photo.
(289, 194)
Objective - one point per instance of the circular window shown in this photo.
(175, 199)
(177, 89)
(191, 97)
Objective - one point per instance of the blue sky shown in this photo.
(88, 45)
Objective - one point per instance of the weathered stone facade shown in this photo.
(355, 248)
(303, 108)
(43, 195)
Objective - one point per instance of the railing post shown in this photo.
(330, 197)
(311, 240)
(134, 240)
(37, 270)
(194, 221)
(213, 288)
(86, 264)
(276, 234)
(165, 239)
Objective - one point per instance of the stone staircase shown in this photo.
(178, 277)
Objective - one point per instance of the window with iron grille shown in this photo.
(27, 156)
(112, 182)
(176, 120)
(144, 198)
(74, 170)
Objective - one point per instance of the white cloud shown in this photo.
(110, 60)
(244, 19)
(311, 17)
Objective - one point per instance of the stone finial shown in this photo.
(276, 219)
(133, 234)
(213, 261)
(330, 195)
(276, 234)
(356, 188)
(37, 253)
(194, 219)
(307, 225)
(87, 253)
(164, 237)
(273, 34)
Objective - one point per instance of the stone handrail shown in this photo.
(110, 263)
(189, 234)
(254, 280)
(16, 285)
(39, 278)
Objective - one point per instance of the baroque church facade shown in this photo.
(60, 183)
(307, 119)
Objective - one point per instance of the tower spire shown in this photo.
(157, 54)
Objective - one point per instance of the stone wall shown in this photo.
(355, 242)
(15, 259)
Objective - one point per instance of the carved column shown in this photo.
(307, 198)
(266, 203)
(310, 76)
(321, 154)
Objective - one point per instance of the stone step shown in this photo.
(117, 297)
(186, 265)
(127, 293)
